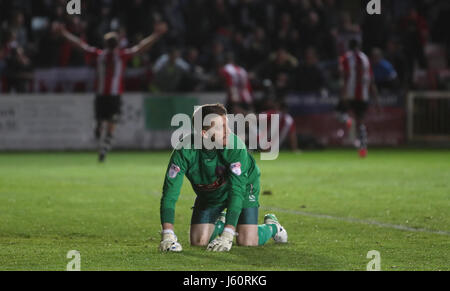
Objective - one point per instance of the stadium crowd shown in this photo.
(293, 43)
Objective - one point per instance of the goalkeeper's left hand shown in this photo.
(223, 243)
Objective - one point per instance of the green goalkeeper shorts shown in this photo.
(248, 216)
(208, 215)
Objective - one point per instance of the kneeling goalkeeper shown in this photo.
(225, 177)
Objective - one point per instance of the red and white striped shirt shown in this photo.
(357, 72)
(111, 66)
(238, 83)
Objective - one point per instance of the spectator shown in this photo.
(279, 69)
(49, 48)
(384, 73)
(395, 55)
(195, 72)
(280, 61)
(215, 57)
(415, 34)
(239, 46)
(310, 77)
(169, 70)
(285, 31)
(259, 47)
(220, 17)
(17, 67)
(311, 31)
(17, 26)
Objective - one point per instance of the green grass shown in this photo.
(53, 203)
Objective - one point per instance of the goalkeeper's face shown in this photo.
(219, 131)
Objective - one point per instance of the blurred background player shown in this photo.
(357, 87)
(111, 63)
(237, 84)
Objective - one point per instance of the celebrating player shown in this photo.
(226, 178)
(357, 86)
(111, 64)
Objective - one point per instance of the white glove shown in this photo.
(169, 242)
(223, 243)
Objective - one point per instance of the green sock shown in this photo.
(218, 229)
(266, 232)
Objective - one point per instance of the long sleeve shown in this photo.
(239, 164)
(172, 186)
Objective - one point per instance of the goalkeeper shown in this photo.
(225, 177)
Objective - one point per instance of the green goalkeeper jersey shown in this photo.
(218, 177)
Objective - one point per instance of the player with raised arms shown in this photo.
(111, 64)
(223, 177)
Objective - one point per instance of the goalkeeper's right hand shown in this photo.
(169, 242)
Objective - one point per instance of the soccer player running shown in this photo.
(357, 86)
(224, 177)
(111, 64)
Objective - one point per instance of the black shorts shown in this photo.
(358, 107)
(108, 107)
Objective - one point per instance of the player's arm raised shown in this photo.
(171, 191)
(73, 39)
(159, 30)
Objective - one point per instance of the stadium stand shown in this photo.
(32, 57)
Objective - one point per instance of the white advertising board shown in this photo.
(67, 121)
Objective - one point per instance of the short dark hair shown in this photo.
(208, 109)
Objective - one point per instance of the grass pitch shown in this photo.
(335, 207)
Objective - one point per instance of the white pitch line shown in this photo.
(360, 221)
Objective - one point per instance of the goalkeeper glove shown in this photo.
(223, 243)
(169, 242)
